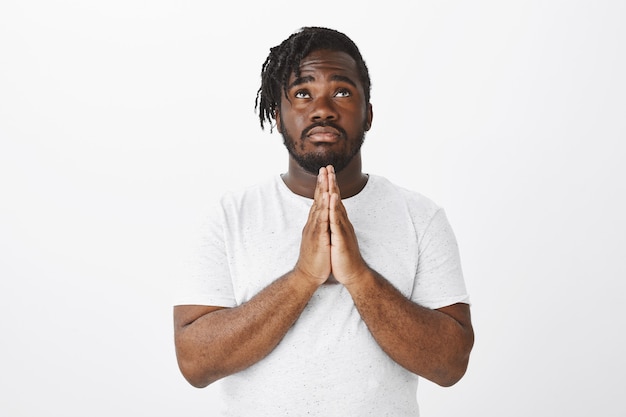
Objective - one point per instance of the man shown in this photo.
(324, 291)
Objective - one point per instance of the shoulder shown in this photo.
(419, 206)
(267, 200)
(251, 194)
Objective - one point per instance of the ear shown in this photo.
(369, 116)
(279, 125)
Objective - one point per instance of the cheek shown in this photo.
(296, 125)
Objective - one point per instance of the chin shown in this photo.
(313, 165)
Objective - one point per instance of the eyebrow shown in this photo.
(310, 78)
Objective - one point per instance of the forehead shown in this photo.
(334, 62)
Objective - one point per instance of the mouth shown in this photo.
(323, 134)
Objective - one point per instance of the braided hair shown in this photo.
(284, 60)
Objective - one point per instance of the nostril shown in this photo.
(324, 110)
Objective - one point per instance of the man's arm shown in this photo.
(213, 342)
(434, 344)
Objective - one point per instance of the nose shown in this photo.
(323, 109)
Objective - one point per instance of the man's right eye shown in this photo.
(302, 94)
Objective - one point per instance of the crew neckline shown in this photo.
(368, 185)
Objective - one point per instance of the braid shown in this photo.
(284, 60)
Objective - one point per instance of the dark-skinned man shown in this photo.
(323, 291)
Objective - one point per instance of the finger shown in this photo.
(338, 217)
(314, 259)
(332, 212)
(316, 231)
(318, 215)
(321, 186)
(341, 229)
(333, 187)
(317, 222)
(346, 260)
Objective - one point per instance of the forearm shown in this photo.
(226, 341)
(427, 342)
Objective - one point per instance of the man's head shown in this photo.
(316, 86)
(284, 60)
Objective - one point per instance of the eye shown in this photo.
(302, 94)
(343, 92)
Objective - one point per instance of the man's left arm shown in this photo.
(434, 344)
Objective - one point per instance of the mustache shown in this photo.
(338, 128)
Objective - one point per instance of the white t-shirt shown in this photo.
(328, 364)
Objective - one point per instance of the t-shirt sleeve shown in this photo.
(205, 278)
(439, 281)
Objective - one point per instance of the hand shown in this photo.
(347, 265)
(314, 260)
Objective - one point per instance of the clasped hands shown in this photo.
(329, 245)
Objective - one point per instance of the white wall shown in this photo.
(120, 120)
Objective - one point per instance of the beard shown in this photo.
(314, 160)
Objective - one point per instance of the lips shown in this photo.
(323, 134)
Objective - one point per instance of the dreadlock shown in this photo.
(284, 60)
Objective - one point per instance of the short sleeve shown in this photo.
(439, 280)
(205, 278)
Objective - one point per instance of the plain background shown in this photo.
(121, 120)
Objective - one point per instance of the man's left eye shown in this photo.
(342, 93)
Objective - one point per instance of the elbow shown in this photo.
(197, 382)
(453, 370)
(194, 375)
(451, 375)
(450, 372)
(195, 372)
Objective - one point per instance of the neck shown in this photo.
(351, 179)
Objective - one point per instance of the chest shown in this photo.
(264, 244)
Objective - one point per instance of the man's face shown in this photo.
(324, 117)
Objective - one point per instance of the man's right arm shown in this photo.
(214, 342)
